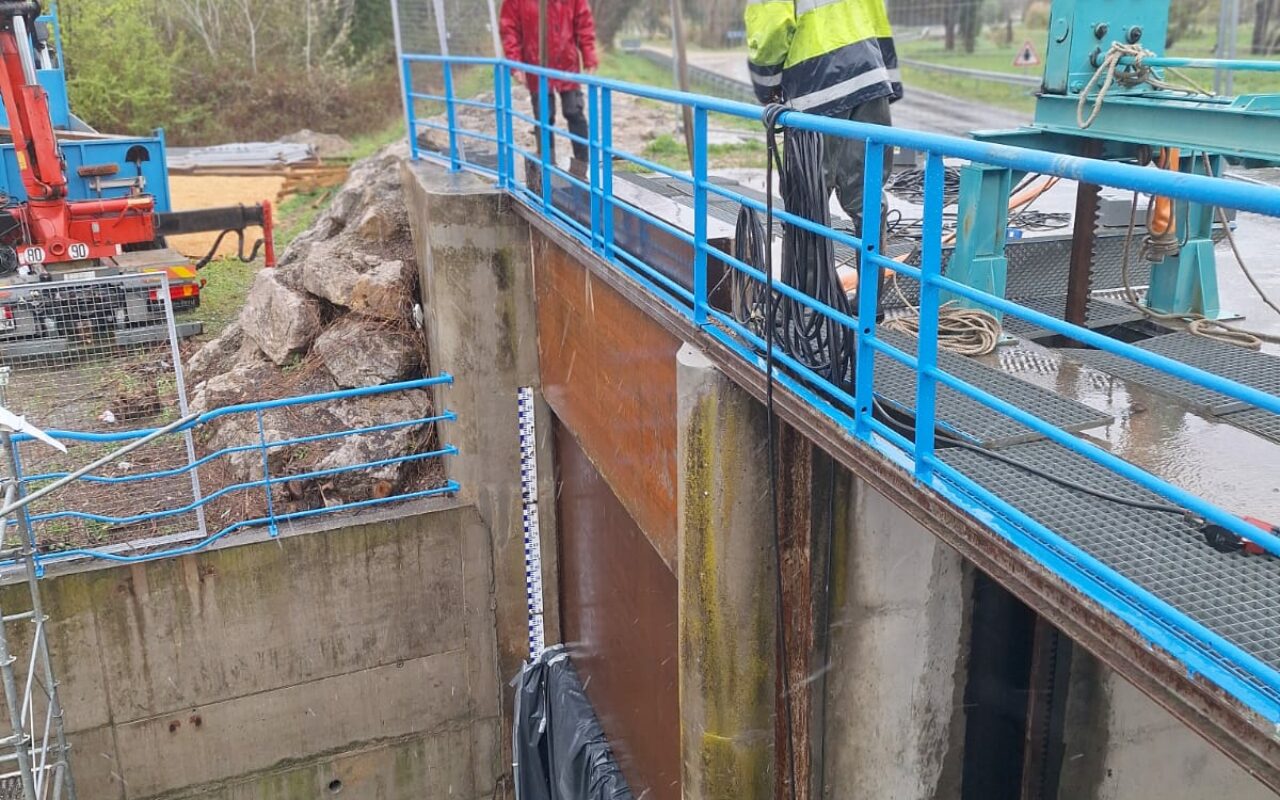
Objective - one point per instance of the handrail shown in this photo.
(1202, 650)
(1183, 186)
(136, 439)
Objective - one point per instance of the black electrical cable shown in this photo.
(217, 244)
(904, 423)
(771, 115)
(808, 260)
(749, 246)
(801, 181)
(909, 185)
(1033, 220)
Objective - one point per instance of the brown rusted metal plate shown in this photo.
(618, 611)
(608, 372)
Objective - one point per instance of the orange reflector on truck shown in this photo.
(177, 292)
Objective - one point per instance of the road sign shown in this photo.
(1027, 56)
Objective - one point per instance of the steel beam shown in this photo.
(1242, 129)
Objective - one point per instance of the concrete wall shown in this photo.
(476, 279)
(895, 687)
(1120, 745)
(358, 660)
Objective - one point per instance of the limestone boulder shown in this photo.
(241, 430)
(362, 352)
(366, 412)
(386, 292)
(329, 271)
(281, 321)
(240, 384)
(216, 355)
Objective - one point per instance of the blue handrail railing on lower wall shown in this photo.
(1204, 652)
(60, 506)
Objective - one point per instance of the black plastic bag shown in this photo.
(560, 749)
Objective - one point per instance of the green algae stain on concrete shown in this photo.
(726, 638)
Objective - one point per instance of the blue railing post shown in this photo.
(927, 346)
(500, 124)
(266, 476)
(700, 216)
(544, 138)
(451, 109)
(410, 112)
(593, 167)
(606, 169)
(510, 126)
(868, 287)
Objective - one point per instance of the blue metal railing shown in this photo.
(267, 483)
(1203, 651)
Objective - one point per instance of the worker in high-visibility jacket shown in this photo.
(830, 57)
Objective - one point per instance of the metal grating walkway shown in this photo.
(1256, 420)
(1249, 367)
(1234, 595)
(896, 384)
(1100, 314)
(1197, 398)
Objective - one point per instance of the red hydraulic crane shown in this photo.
(51, 228)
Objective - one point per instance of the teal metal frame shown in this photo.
(1134, 117)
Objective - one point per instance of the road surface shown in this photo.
(920, 109)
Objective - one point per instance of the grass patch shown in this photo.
(223, 296)
(296, 214)
(670, 151)
(368, 144)
(1000, 95)
(622, 66)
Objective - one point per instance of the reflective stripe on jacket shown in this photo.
(822, 56)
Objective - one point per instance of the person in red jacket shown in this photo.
(571, 47)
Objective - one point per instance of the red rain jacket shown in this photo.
(571, 37)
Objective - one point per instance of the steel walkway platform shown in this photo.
(1234, 595)
(1250, 367)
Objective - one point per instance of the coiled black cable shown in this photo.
(808, 260)
(749, 245)
(808, 266)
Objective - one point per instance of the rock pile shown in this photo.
(338, 313)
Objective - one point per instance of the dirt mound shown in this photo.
(325, 145)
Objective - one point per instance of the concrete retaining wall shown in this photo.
(359, 660)
(895, 685)
(1119, 745)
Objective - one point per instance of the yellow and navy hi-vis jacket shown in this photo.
(822, 56)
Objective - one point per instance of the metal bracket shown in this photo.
(979, 258)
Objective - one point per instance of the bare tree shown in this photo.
(201, 17)
(1263, 43)
(252, 25)
(611, 15)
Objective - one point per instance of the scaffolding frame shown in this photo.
(35, 753)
